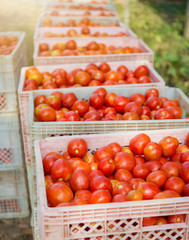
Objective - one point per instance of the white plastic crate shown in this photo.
(40, 32)
(13, 194)
(146, 54)
(11, 156)
(112, 220)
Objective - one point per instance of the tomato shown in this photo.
(115, 147)
(59, 80)
(92, 116)
(182, 148)
(153, 103)
(176, 112)
(100, 183)
(100, 196)
(107, 166)
(59, 193)
(39, 100)
(70, 79)
(96, 100)
(184, 157)
(109, 99)
(186, 190)
(122, 188)
(112, 75)
(47, 114)
(64, 204)
(158, 177)
(127, 150)
(163, 113)
(81, 165)
(135, 195)
(176, 184)
(130, 116)
(123, 69)
(48, 181)
(101, 91)
(49, 85)
(114, 182)
(30, 70)
(132, 80)
(54, 102)
(170, 103)
(141, 171)
(68, 100)
(83, 194)
(176, 157)
(48, 161)
(120, 103)
(79, 201)
(138, 143)
(59, 71)
(29, 83)
(154, 165)
(148, 190)
(93, 166)
(130, 75)
(95, 173)
(104, 67)
(92, 46)
(98, 75)
(184, 172)
(82, 78)
(152, 92)
(144, 79)
(36, 76)
(89, 158)
(152, 151)
(137, 97)
(135, 182)
(180, 218)
(171, 169)
(166, 194)
(141, 71)
(120, 198)
(123, 175)
(71, 116)
(134, 107)
(71, 45)
(77, 147)
(103, 152)
(169, 145)
(57, 94)
(124, 160)
(61, 169)
(79, 180)
(66, 155)
(81, 107)
(161, 221)
(149, 221)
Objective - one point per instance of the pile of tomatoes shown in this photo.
(87, 13)
(92, 75)
(70, 48)
(7, 44)
(72, 23)
(80, 7)
(103, 106)
(143, 170)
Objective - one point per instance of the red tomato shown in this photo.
(59, 71)
(151, 92)
(103, 152)
(107, 166)
(89, 158)
(82, 78)
(152, 151)
(148, 190)
(98, 75)
(68, 100)
(169, 145)
(123, 69)
(81, 165)
(146, 111)
(149, 221)
(115, 147)
(184, 157)
(109, 99)
(135, 195)
(163, 113)
(176, 112)
(92, 116)
(120, 103)
(96, 100)
(59, 193)
(79, 201)
(54, 102)
(101, 91)
(135, 182)
(47, 114)
(123, 175)
(39, 100)
(139, 160)
(79, 180)
(144, 79)
(100, 183)
(138, 143)
(184, 172)
(176, 157)
(30, 70)
(153, 103)
(186, 190)
(124, 160)
(130, 116)
(95, 173)
(120, 198)
(154, 165)
(158, 177)
(137, 97)
(83, 194)
(166, 194)
(59, 80)
(61, 169)
(122, 188)
(71, 116)
(180, 218)
(48, 161)
(77, 147)
(81, 107)
(175, 184)
(171, 169)
(70, 80)
(100, 196)
(161, 221)
(64, 204)
(141, 171)
(141, 71)
(48, 181)
(104, 67)
(134, 107)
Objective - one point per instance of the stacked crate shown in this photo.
(75, 223)
(13, 194)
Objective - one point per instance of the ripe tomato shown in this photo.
(47, 114)
(39, 100)
(151, 92)
(115, 147)
(61, 169)
(180, 218)
(59, 80)
(176, 112)
(171, 169)
(153, 103)
(148, 190)
(81, 107)
(79, 180)
(123, 69)
(71, 45)
(79, 201)
(130, 116)
(166, 194)
(71, 116)
(187, 139)
(104, 67)
(163, 113)
(92, 116)
(138, 143)
(120, 198)
(89, 158)
(81, 165)
(48, 181)
(83, 194)
(68, 100)
(123, 175)
(137, 97)
(54, 102)
(100, 183)
(154, 165)
(122, 188)
(135, 182)
(169, 145)
(184, 172)
(135, 195)
(152, 151)
(134, 107)
(142, 70)
(184, 157)
(141, 171)
(158, 177)
(144, 79)
(48, 161)
(186, 190)
(59, 193)
(161, 221)
(109, 99)
(103, 152)
(107, 166)
(95, 173)
(101, 91)
(98, 75)
(96, 101)
(175, 184)
(149, 221)
(100, 196)
(120, 103)
(36, 76)
(124, 160)
(77, 147)
(30, 70)
(82, 78)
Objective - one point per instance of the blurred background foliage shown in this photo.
(160, 23)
